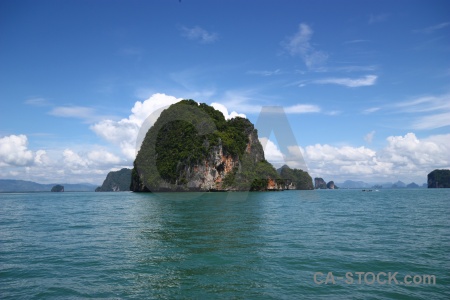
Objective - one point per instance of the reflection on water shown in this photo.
(213, 237)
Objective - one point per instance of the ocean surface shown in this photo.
(266, 245)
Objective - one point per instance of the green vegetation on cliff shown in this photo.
(116, 181)
(253, 176)
(439, 179)
(301, 179)
(188, 136)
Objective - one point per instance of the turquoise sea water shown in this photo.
(224, 245)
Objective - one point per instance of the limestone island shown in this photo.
(192, 147)
(116, 181)
(57, 188)
(439, 179)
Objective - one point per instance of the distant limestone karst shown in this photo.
(295, 179)
(439, 179)
(321, 184)
(57, 188)
(330, 185)
(116, 181)
(192, 147)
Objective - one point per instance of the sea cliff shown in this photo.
(191, 147)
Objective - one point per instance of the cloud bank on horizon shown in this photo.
(398, 159)
(365, 91)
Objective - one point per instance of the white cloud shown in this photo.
(371, 110)
(80, 112)
(367, 80)
(433, 121)
(124, 133)
(224, 111)
(265, 72)
(14, 151)
(102, 157)
(433, 28)
(73, 160)
(369, 137)
(271, 151)
(404, 157)
(37, 102)
(41, 158)
(198, 33)
(299, 45)
(50, 166)
(302, 109)
(430, 111)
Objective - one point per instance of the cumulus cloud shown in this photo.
(199, 34)
(404, 157)
(367, 80)
(224, 111)
(299, 45)
(124, 133)
(271, 151)
(50, 166)
(14, 151)
(74, 160)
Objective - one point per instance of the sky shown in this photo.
(364, 85)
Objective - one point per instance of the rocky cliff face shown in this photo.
(295, 179)
(192, 147)
(319, 183)
(209, 174)
(116, 181)
(330, 185)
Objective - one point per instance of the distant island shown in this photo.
(439, 179)
(192, 147)
(350, 184)
(319, 183)
(57, 188)
(14, 186)
(116, 181)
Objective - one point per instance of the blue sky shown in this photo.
(365, 85)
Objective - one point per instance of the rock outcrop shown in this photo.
(57, 188)
(439, 179)
(295, 179)
(116, 181)
(191, 147)
(319, 183)
(330, 185)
